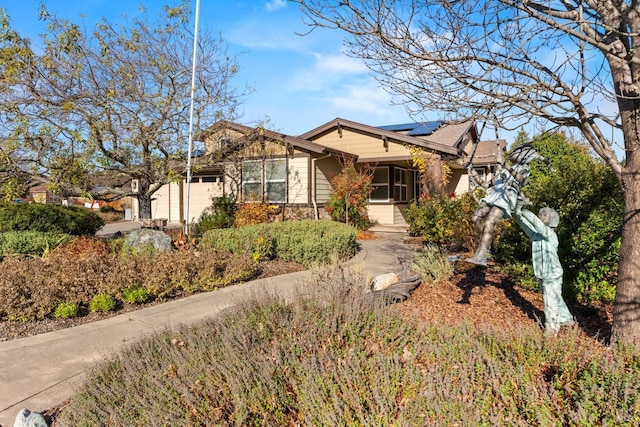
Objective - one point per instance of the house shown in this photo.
(256, 164)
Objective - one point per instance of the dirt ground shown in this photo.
(485, 297)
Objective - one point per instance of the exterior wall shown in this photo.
(325, 169)
(363, 145)
(381, 214)
(166, 203)
(298, 180)
(459, 182)
(398, 218)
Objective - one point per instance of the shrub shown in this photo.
(102, 302)
(66, 310)
(107, 209)
(350, 195)
(443, 220)
(48, 218)
(306, 242)
(251, 214)
(332, 357)
(432, 264)
(34, 243)
(219, 215)
(135, 295)
(31, 288)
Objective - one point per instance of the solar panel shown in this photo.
(424, 129)
(415, 129)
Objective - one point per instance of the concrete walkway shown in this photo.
(42, 371)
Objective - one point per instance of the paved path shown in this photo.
(40, 372)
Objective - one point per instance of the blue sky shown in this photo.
(299, 82)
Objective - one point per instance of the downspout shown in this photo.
(313, 185)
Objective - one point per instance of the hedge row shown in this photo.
(35, 243)
(32, 288)
(306, 242)
(49, 218)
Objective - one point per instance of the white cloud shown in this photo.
(275, 5)
(327, 70)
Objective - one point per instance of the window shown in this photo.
(400, 185)
(264, 181)
(205, 179)
(275, 171)
(380, 185)
(252, 180)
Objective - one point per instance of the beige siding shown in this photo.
(325, 170)
(298, 180)
(459, 182)
(363, 145)
(381, 214)
(166, 203)
(398, 218)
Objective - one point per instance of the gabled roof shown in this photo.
(296, 142)
(487, 152)
(381, 132)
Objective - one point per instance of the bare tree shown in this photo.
(571, 63)
(111, 103)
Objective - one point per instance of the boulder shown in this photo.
(146, 238)
(383, 281)
(26, 418)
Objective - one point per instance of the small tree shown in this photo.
(350, 195)
(109, 103)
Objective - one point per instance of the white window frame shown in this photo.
(264, 178)
(376, 185)
(401, 185)
(275, 180)
(253, 181)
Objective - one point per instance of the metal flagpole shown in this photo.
(193, 89)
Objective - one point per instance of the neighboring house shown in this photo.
(256, 164)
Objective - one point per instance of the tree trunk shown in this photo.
(626, 310)
(144, 206)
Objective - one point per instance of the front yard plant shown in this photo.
(333, 357)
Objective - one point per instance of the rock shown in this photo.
(145, 238)
(26, 418)
(383, 281)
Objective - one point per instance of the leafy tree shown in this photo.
(350, 195)
(111, 105)
(510, 61)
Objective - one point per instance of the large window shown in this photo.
(380, 185)
(264, 180)
(275, 172)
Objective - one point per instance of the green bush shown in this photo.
(48, 218)
(34, 243)
(107, 209)
(135, 295)
(219, 215)
(306, 242)
(66, 310)
(443, 220)
(103, 302)
(432, 264)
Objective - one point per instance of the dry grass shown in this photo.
(334, 357)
